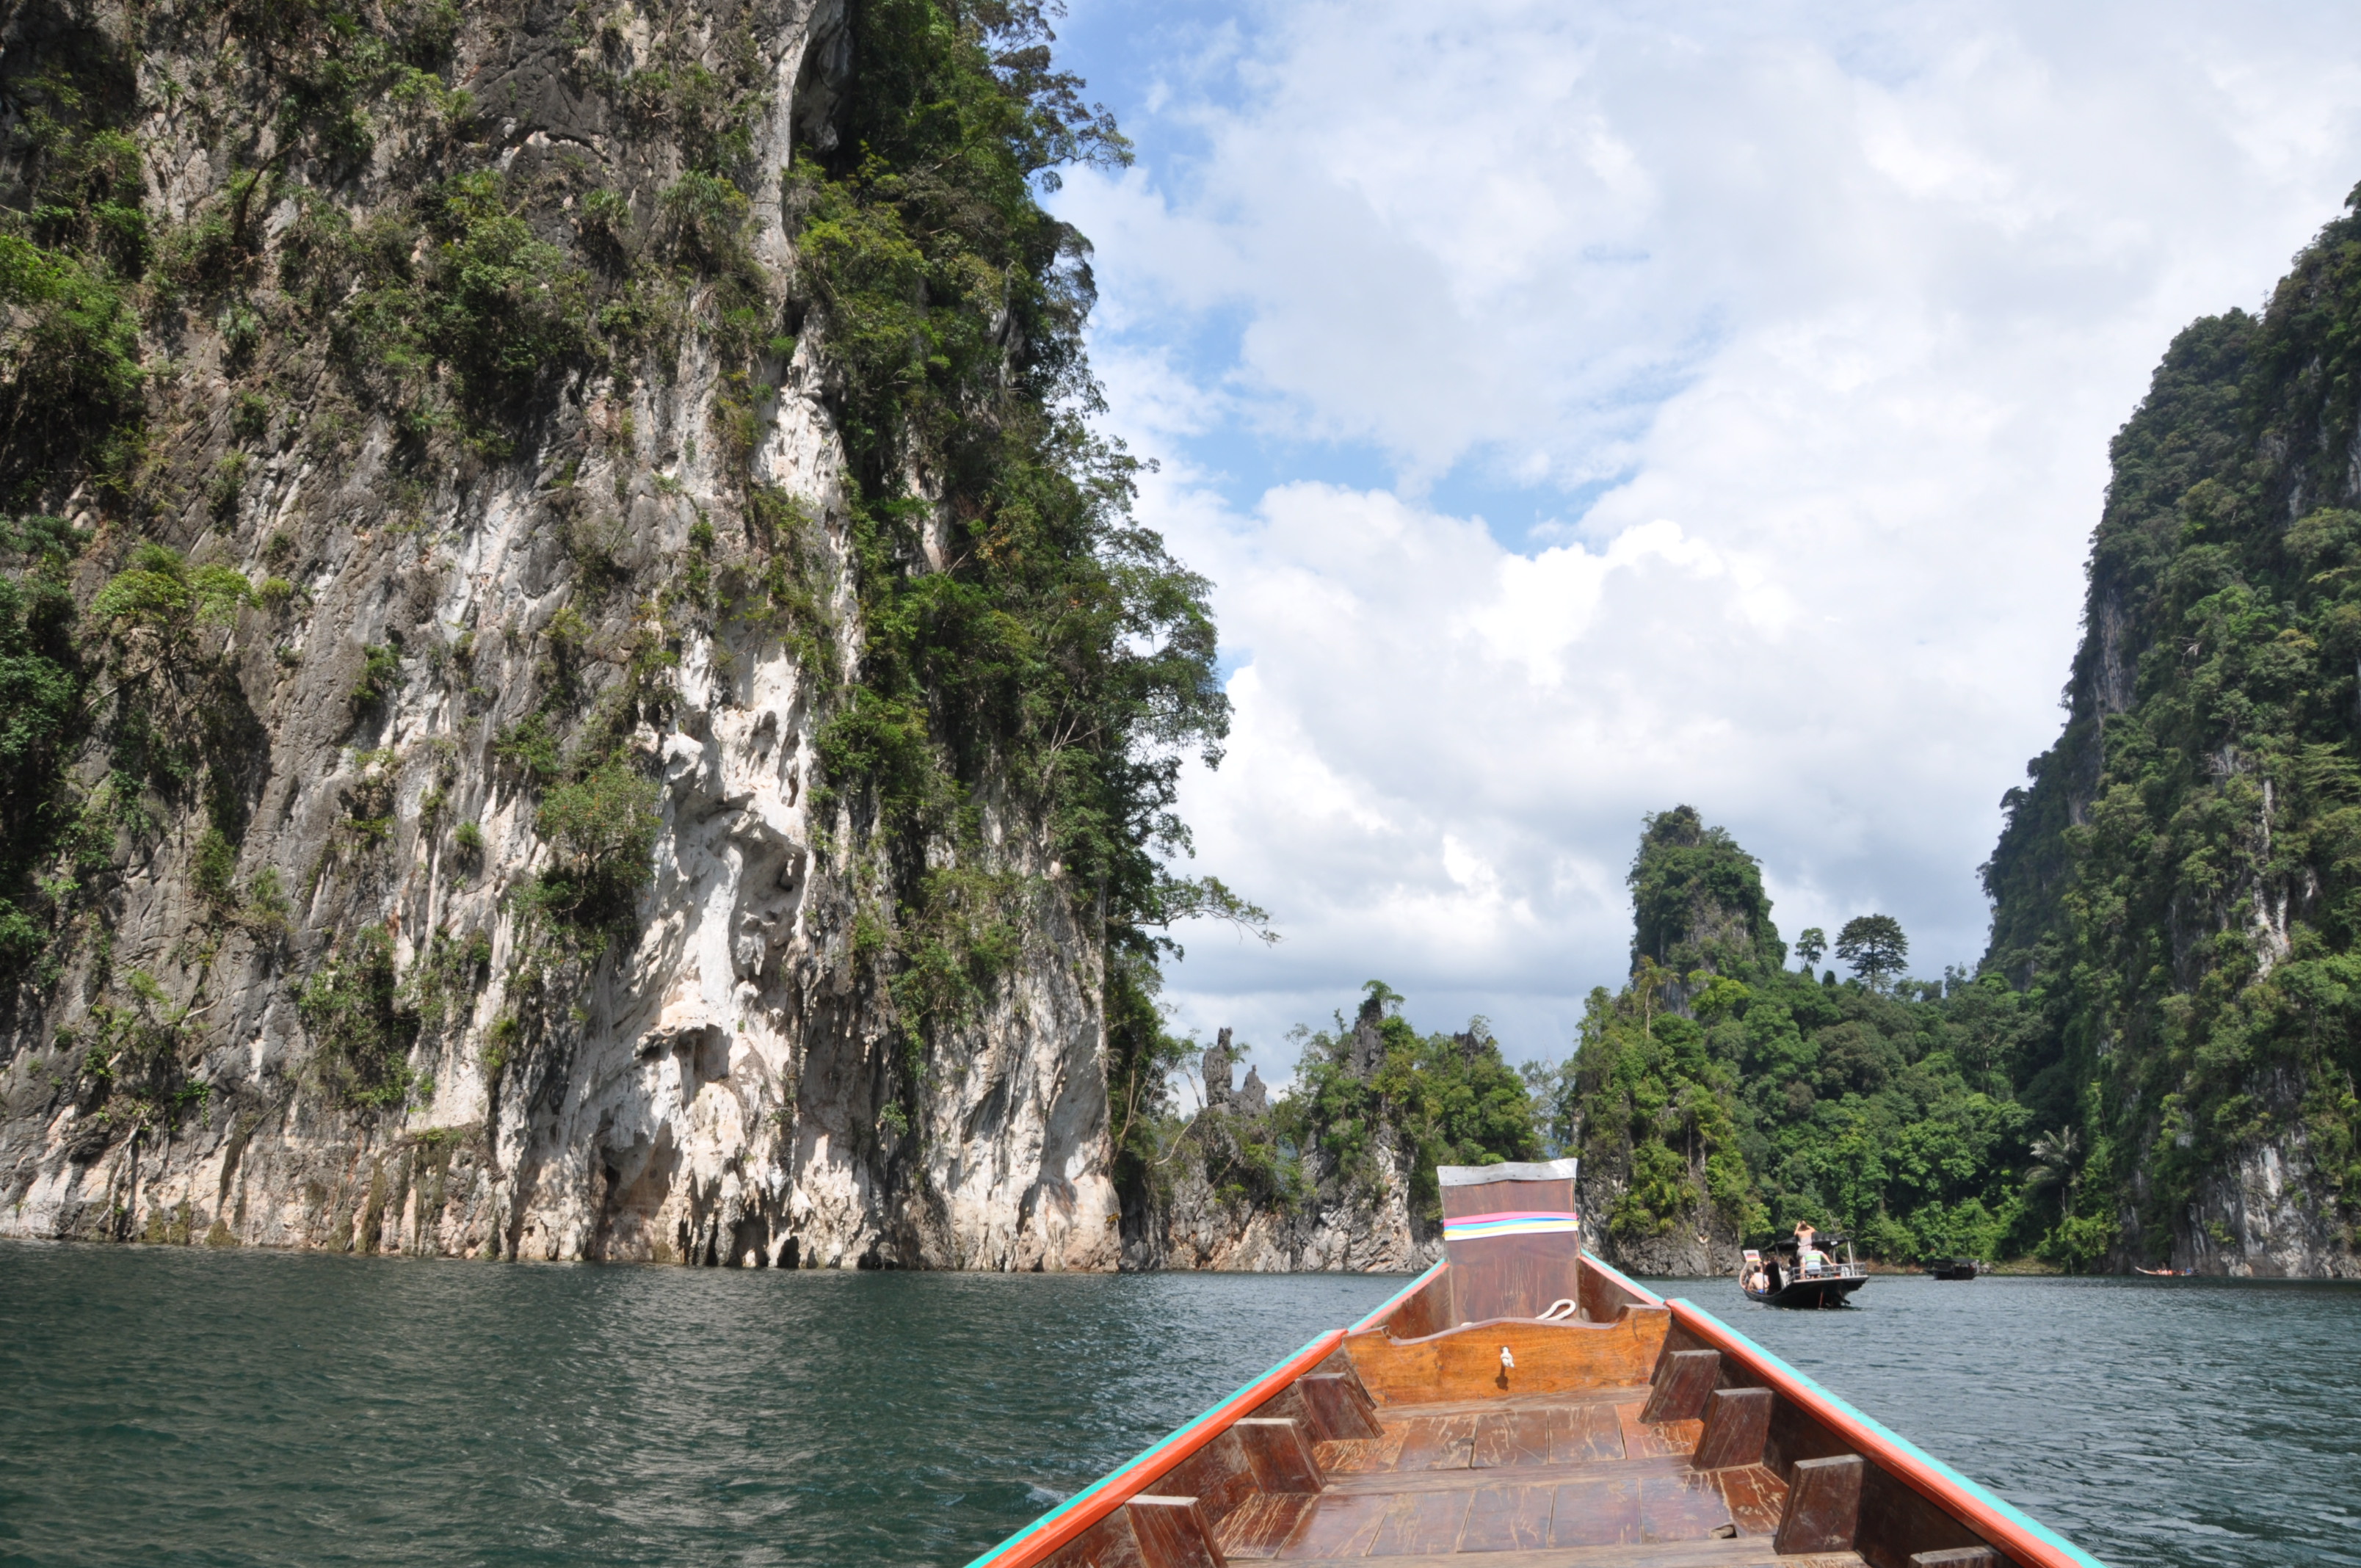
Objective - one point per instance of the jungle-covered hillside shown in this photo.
(2178, 891)
(1719, 1094)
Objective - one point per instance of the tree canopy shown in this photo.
(1697, 899)
(1873, 947)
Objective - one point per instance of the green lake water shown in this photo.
(185, 1406)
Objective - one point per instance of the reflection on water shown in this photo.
(183, 1407)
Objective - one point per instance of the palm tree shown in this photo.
(2057, 1155)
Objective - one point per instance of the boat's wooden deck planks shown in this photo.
(1608, 1394)
(1579, 1475)
(1507, 1516)
(1655, 1439)
(1588, 1433)
(1528, 1475)
(1756, 1497)
(1340, 1526)
(1436, 1443)
(1512, 1437)
(1738, 1553)
(1604, 1512)
(1682, 1507)
(1260, 1525)
(1422, 1522)
(1361, 1455)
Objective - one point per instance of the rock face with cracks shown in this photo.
(376, 1032)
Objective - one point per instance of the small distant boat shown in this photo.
(1954, 1268)
(1791, 1281)
(1522, 1405)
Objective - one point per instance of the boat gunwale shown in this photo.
(1647, 1297)
(2001, 1522)
(1036, 1541)
(1377, 1316)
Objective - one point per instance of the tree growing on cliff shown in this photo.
(1875, 947)
(2058, 1164)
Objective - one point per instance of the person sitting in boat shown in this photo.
(1760, 1280)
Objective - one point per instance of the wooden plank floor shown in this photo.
(1539, 1482)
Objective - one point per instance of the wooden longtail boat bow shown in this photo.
(1521, 1405)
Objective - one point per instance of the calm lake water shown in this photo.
(184, 1407)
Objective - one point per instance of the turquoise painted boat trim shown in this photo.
(1617, 1276)
(1149, 1453)
(1398, 1297)
(1983, 1492)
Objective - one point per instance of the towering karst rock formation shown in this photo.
(1230, 1196)
(572, 688)
(2180, 880)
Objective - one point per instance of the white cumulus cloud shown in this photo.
(1587, 407)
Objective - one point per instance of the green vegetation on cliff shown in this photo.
(2179, 883)
(42, 680)
(1024, 640)
(1439, 1099)
(1374, 1104)
(1734, 1097)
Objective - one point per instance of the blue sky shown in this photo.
(1585, 409)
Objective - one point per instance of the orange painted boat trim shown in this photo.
(1036, 1541)
(2024, 1539)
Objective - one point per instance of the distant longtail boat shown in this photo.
(1520, 1405)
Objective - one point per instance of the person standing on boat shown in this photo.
(1807, 1257)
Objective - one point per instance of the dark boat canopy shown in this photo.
(1786, 1247)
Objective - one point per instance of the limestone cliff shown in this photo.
(2177, 884)
(483, 820)
(1338, 1172)
(1332, 1219)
